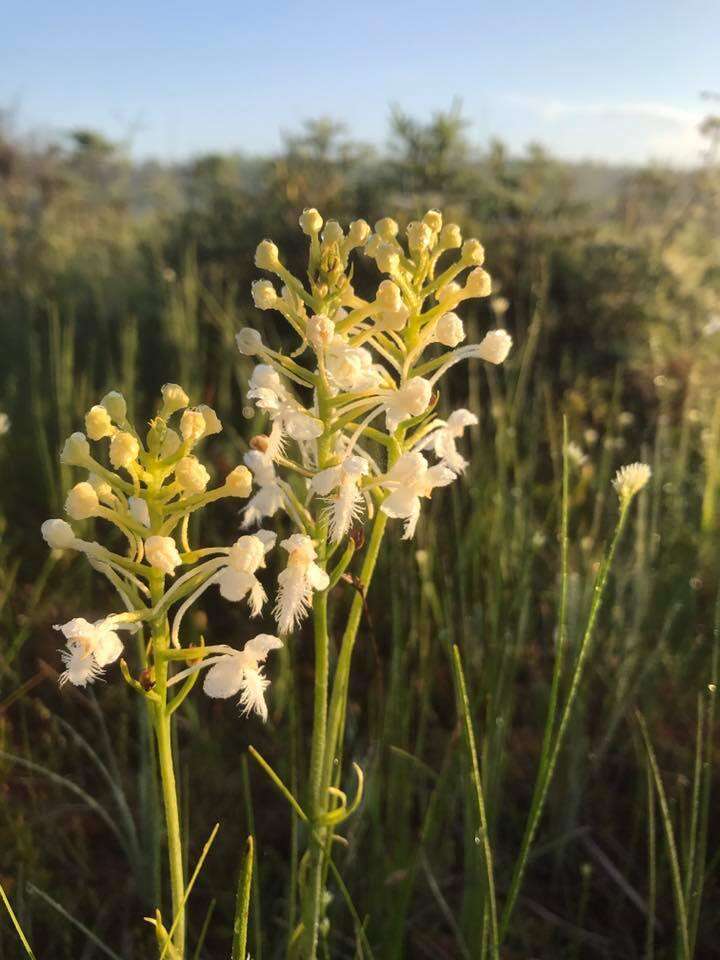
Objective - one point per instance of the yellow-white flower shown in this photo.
(90, 647)
(116, 406)
(264, 295)
(237, 579)
(630, 480)
(410, 479)
(271, 395)
(346, 503)
(350, 368)
(213, 424)
(297, 582)
(450, 330)
(139, 510)
(162, 553)
(174, 399)
(76, 450)
(249, 341)
(240, 672)
(409, 400)
(239, 482)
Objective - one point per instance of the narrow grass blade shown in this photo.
(92, 937)
(242, 904)
(680, 905)
(16, 924)
(464, 710)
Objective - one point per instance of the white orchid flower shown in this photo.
(237, 579)
(443, 440)
(288, 417)
(270, 497)
(410, 479)
(297, 582)
(240, 672)
(346, 504)
(409, 400)
(90, 647)
(350, 368)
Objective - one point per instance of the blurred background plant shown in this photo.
(114, 274)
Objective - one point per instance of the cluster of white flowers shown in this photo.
(361, 412)
(147, 490)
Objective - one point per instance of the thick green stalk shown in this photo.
(163, 736)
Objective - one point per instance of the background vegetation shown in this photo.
(122, 275)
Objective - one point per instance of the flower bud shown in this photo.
(264, 294)
(239, 482)
(450, 236)
(494, 346)
(192, 425)
(320, 330)
(388, 259)
(420, 236)
(191, 475)
(310, 221)
(333, 232)
(249, 342)
(260, 443)
(82, 501)
(449, 291)
(387, 229)
(393, 319)
(174, 398)
(433, 218)
(213, 424)
(124, 449)
(373, 245)
(358, 232)
(170, 444)
(267, 256)
(161, 553)
(58, 534)
(473, 252)
(115, 405)
(98, 423)
(76, 450)
(450, 330)
(478, 283)
(389, 296)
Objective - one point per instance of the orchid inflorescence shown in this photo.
(148, 491)
(361, 416)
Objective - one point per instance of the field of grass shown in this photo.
(118, 276)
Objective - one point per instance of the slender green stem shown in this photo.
(545, 773)
(160, 635)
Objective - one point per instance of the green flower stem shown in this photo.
(160, 636)
(547, 768)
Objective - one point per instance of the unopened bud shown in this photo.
(213, 424)
(191, 475)
(192, 425)
(358, 232)
(433, 218)
(333, 232)
(450, 330)
(451, 236)
(310, 221)
(249, 342)
(98, 423)
(478, 283)
(124, 449)
(82, 501)
(76, 450)
(388, 259)
(239, 482)
(320, 330)
(174, 398)
(387, 228)
(267, 256)
(264, 294)
(115, 405)
(473, 252)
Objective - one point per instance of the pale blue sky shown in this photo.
(611, 80)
